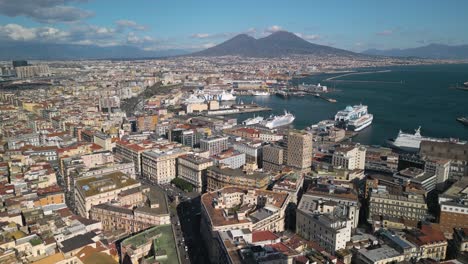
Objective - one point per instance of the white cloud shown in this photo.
(273, 29)
(132, 38)
(123, 23)
(17, 32)
(207, 45)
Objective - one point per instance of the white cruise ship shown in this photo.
(278, 121)
(411, 142)
(253, 121)
(218, 95)
(193, 99)
(354, 118)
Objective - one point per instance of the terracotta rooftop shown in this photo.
(258, 236)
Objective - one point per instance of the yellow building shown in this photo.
(219, 177)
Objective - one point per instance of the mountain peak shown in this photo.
(277, 44)
(283, 33)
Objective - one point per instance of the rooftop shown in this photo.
(237, 173)
(378, 254)
(105, 183)
(217, 215)
(162, 239)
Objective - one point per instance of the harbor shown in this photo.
(423, 99)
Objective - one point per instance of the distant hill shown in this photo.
(45, 51)
(432, 51)
(278, 44)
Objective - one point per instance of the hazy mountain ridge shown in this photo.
(43, 51)
(432, 51)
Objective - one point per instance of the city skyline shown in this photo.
(162, 25)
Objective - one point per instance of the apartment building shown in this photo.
(453, 205)
(100, 189)
(233, 208)
(160, 166)
(350, 158)
(325, 222)
(407, 208)
(214, 145)
(219, 177)
(193, 169)
(273, 158)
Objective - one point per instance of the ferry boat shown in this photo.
(411, 142)
(278, 121)
(354, 118)
(253, 121)
(465, 84)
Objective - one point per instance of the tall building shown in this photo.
(299, 150)
(214, 145)
(19, 63)
(160, 166)
(350, 158)
(193, 169)
(439, 167)
(32, 71)
(273, 158)
(325, 222)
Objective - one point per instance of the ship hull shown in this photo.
(391, 144)
(361, 127)
(271, 126)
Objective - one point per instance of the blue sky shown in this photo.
(158, 24)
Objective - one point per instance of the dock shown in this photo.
(330, 100)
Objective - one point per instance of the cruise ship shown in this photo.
(253, 121)
(210, 95)
(354, 118)
(193, 99)
(411, 142)
(278, 121)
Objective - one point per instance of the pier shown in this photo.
(333, 79)
(235, 111)
(330, 100)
